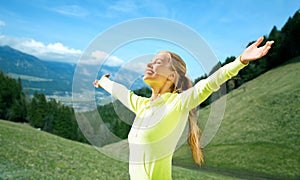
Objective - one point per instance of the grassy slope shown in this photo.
(26, 153)
(260, 130)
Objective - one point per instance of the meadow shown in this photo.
(27, 153)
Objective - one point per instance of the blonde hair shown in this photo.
(183, 83)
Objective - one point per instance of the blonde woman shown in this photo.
(161, 119)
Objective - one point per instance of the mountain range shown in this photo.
(55, 79)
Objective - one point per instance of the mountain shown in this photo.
(42, 76)
(55, 79)
(14, 61)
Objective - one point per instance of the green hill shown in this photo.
(259, 135)
(27, 153)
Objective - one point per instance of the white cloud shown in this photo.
(71, 10)
(60, 48)
(59, 52)
(124, 6)
(138, 8)
(52, 51)
(99, 57)
(138, 67)
(2, 23)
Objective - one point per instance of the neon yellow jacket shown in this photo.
(159, 124)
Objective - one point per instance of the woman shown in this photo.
(160, 119)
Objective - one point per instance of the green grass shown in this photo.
(27, 153)
(259, 134)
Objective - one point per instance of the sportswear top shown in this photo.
(159, 124)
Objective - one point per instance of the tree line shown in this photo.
(47, 115)
(53, 117)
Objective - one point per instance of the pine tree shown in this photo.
(37, 110)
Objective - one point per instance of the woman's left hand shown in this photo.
(253, 52)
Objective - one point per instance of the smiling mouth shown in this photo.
(149, 71)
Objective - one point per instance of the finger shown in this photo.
(259, 41)
(266, 50)
(95, 85)
(95, 82)
(269, 43)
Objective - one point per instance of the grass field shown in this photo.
(258, 139)
(27, 153)
(259, 135)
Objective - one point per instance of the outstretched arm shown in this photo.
(119, 91)
(251, 53)
(194, 96)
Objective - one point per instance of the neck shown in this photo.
(159, 90)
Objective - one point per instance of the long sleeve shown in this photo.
(204, 88)
(224, 73)
(120, 92)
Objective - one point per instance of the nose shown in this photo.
(150, 65)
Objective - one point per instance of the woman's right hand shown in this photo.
(96, 82)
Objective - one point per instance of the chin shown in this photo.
(147, 77)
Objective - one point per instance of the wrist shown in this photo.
(98, 84)
(245, 62)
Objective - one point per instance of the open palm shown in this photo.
(254, 52)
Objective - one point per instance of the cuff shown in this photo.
(238, 63)
(240, 60)
(106, 84)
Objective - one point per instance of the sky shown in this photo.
(63, 30)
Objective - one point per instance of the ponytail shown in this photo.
(194, 136)
(195, 133)
(183, 83)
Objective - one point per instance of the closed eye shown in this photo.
(158, 61)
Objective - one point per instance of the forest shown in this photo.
(54, 117)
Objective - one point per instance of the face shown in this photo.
(159, 70)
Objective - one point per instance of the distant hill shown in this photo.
(54, 79)
(43, 76)
(14, 61)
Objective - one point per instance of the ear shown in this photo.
(172, 76)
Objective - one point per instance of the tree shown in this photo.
(19, 106)
(37, 110)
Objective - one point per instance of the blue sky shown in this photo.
(62, 30)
